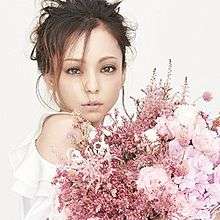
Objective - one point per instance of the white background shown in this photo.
(186, 31)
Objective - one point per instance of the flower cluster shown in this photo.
(162, 164)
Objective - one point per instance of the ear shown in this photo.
(49, 80)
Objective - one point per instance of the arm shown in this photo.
(52, 143)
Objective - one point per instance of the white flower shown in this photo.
(92, 133)
(186, 115)
(75, 157)
(101, 148)
(106, 132)
(114, 192)
(151, 135)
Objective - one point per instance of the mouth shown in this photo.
(92, 103)
(92, 107)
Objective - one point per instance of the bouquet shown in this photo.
(163, 162)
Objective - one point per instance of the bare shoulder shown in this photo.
(54, 141)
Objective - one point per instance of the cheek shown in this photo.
(111, 89)
(69, 89)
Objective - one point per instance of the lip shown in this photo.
(91, 107)
(92, 103)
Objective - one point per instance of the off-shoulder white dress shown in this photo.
(33, 175)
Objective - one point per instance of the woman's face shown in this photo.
(100, 79)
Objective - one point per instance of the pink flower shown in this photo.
(214, 192)
(185, 209)
(207, 96)
(183, 169)
(175, 149)
(95, 218)
(151, 178)
(217, 174)
(206, 141)
(201, 163)
(181, 132)
(203, 214)
(161, 126)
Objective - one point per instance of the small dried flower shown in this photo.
(207, 96)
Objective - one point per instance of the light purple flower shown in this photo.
(175, 149)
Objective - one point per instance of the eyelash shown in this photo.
(76, 68)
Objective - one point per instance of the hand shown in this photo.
(217, 217)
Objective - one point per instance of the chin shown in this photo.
(94, 117)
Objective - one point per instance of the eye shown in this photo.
(109, 69)
(73, 71)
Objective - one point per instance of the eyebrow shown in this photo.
(102, 59)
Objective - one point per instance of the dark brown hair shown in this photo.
(57, 23)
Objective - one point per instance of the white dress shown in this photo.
(33, 175)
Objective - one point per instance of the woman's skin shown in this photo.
(218, 216)
(100, 79)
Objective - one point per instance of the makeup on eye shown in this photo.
(108, 67)
(76, 70)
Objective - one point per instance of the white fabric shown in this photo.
(33, 175)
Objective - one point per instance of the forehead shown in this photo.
(100, 43)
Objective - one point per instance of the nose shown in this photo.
(91, 83)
